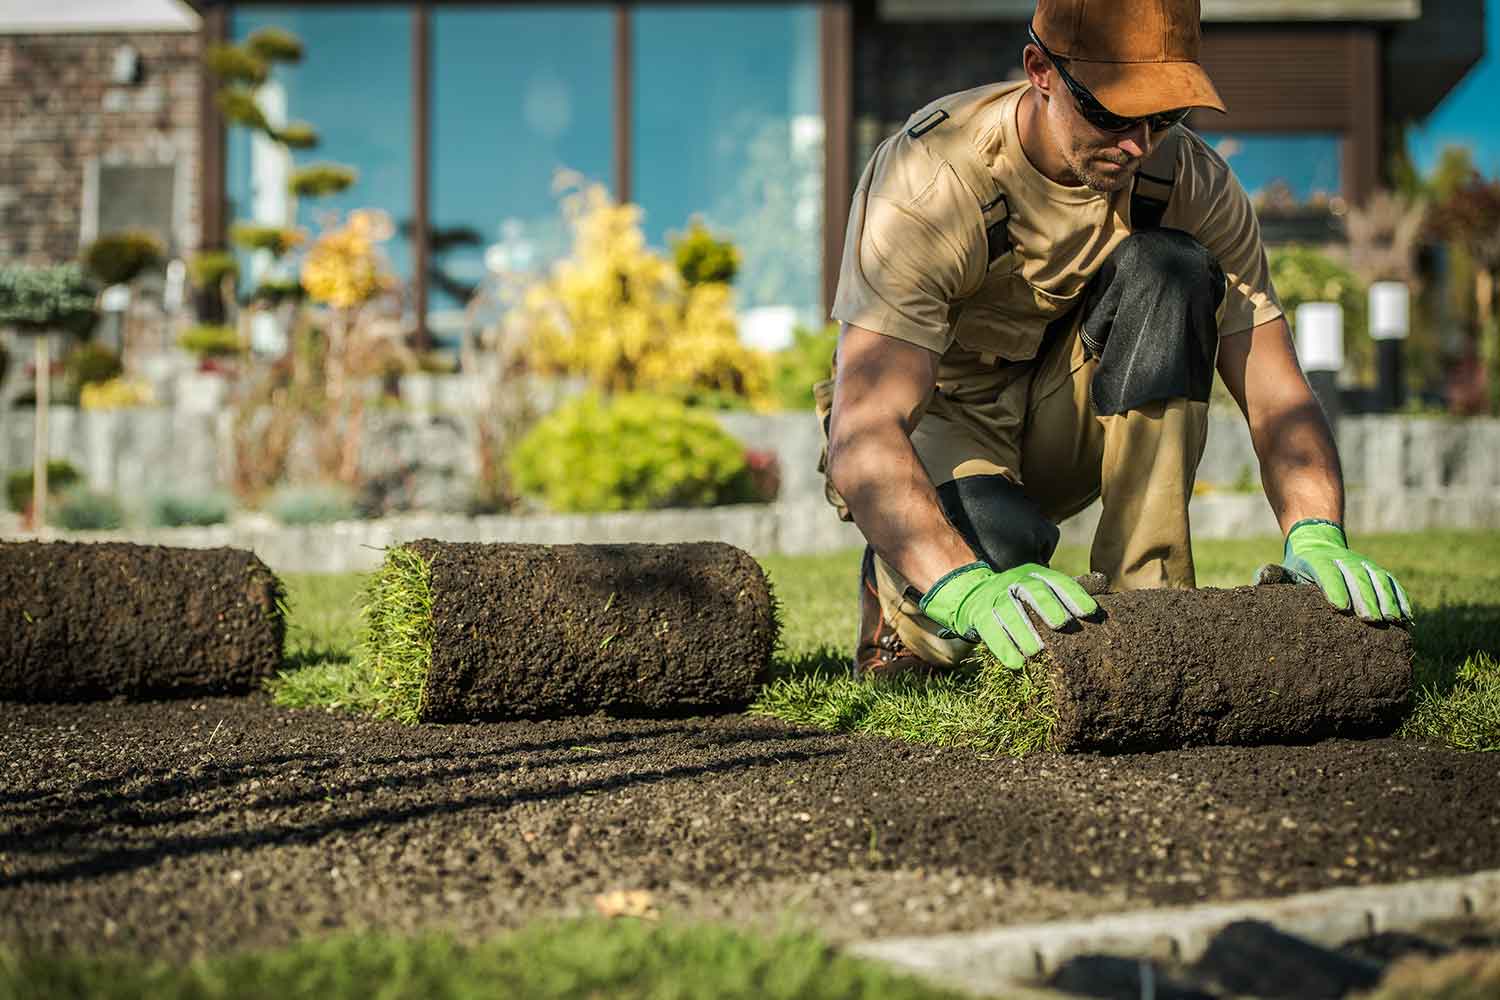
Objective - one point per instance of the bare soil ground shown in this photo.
(188, 827)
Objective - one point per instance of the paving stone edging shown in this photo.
(983, 961)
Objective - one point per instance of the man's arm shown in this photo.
(881, 388)
(1299, 463)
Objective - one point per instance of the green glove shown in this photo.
(1317, 552)
(981, 605)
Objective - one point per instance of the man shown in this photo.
(1038, 283)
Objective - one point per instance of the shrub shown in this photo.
(174, 510)
(116, 394)
(240, 107)
(120, 257)
(234, 64)
(319, 179)
(277, 239)
(312, 504)
(208, 340)
(1302, 274)
(208, 267)
(702, 258)
(90, 363)
(631, 452)
(274, 291)
(56, 297)
(274, 45)
(82, 509)
(61, 475)
(808, 359)
(298, 135)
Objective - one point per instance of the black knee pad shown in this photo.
(1002, 524)
(1150, 317)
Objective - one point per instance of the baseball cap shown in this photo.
(1138, 57)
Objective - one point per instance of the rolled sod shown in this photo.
(459, 631)
(1272, 664)
(81, 621)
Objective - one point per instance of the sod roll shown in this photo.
(81, 621)
(1272, 664)
(506, 631)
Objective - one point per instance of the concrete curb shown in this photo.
(985, 961)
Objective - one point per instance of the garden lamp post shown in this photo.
(1320, 348)
(1390, 323)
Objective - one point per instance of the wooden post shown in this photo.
(40, 447)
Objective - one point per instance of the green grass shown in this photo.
(1453, 578)
(625, 959)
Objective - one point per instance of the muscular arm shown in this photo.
(1299, 463)
(881, 389)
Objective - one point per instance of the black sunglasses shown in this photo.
(1097, 114)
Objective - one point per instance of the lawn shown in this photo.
(1453, 580)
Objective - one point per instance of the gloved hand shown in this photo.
(981, 605)
(1317, 552)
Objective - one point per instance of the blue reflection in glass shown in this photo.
(517, 95)
(354, 85)
(1307, 166)
(727, 125)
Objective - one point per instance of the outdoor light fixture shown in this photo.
(1320, 348)
(1390, 324)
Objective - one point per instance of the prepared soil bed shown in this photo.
(194, 826)
(82, 621)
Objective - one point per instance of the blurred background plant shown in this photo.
(323, 503)
(1304, 274)
(61, 475)
(83, 509)
(177, 509)
(807, 360)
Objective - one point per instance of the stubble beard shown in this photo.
(1082, 160)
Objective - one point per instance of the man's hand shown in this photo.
(1317, 552)
(981, 605)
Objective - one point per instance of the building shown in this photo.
(756, 117)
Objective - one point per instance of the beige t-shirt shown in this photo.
(917, 256)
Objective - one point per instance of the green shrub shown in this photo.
(319, 179)
(274, 45)
(55, 297)
(312, 505)
(116, 258)
(298, 135)
(630, 452)
(90, 363)
(234, 64)
(251, 236)
(208, 340)
(274, 291)
(240, 107)
(81, 509)
(175, 510)
(702, 258)
(208, 267)
(61, 475)
(807, 360)
(1302, 274)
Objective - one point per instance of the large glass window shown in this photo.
(727, 126)
(517, 94)
(1283, 171)
(354, 86)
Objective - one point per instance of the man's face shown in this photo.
(1101, 161)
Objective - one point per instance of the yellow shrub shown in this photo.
(115, 394)
(621, 315)
(344, 268)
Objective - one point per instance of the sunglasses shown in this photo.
(1097, 114)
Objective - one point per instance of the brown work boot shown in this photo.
(880, 651)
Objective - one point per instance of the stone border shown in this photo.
(986, 960)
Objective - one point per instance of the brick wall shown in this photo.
(59, 109)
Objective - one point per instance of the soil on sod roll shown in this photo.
(1270, 664)
(80, 621)
(548, 630)
(198, 825)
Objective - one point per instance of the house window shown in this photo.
(1284, 171)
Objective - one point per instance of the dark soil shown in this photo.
(198, 825)
(1270, 664)
(81, 621)
(549, 630)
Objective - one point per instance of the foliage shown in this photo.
(276, 239)
(116, 394)
(630, 452)
(274, 291)
(50, 297)
(623, 959)
(121, 257)
(1301, 274)
(234, 64)
(175, 510)
(81, 509)
(240, 107)
(807, 360)
(323, 504)
(209, 340)
(620, 315)
(4, 363)
(297, 135)
(272, 44)
(19, 485)
(1463, 713)
(344, 268)
(319, 179)
(1470, 217)
(209, 267)
(703, 258)
(89, 362)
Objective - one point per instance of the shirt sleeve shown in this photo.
(1210, 204)
(908, 258)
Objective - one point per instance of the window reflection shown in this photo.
(1283, 172)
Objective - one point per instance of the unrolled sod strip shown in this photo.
(81, 621)
(1271, 664)
(472, 631)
